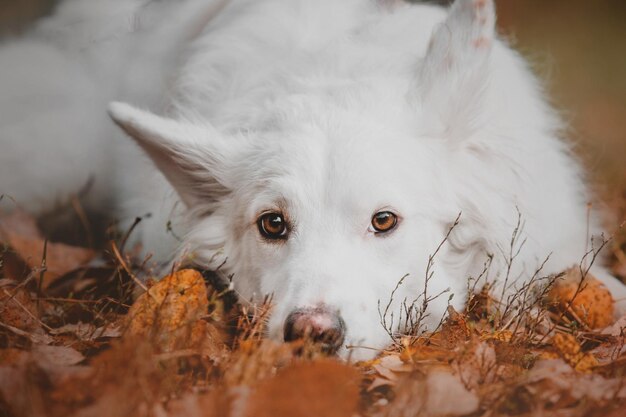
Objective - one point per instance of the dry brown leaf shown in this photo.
(20, 396)
(592, 304)
(482, 304)
(11, 356)
(170, 313)
(436, 394)
(497, 335)
(254, 362)
(556, 384)
(308, 389)
(18, 309)
(60, 258)
(388, 370)
(87, 332)
(454, 331)
(19, 231)
(448, 396)
(420, 353)
(35, 337)
(207, 339)
(20, 223)
(27, 378)
(617, 329)
(126, 380)
(569, 349)
(216, 403)
(477, 364)
(47, 355)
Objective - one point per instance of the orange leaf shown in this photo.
(308, 389)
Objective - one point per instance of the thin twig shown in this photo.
(42, 271)
(126, 268)
(27, 311)
(128, 233)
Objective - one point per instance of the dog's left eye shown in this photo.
(272, 226)
(384, 221)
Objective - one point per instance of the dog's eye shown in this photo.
(272, 226)
(384, 221)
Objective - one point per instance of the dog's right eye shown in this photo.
(272, 226)
(384, 221)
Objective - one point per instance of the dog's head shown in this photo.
(337, 208)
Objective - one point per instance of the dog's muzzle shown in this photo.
(321, 325)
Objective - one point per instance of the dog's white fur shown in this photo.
(326, 110)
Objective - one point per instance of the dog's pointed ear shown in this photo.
(193, 158)
(455, 70)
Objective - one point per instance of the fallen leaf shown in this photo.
(18, 309)
(170, 314)
(20, 223)
(555, 383)
(87, 332)
(388, 370)
(308, 389)
(587, 301)
(60, 258)
(19, 231)
(37, 338)
(420, 353)
(454, 331)
(253, 362)
(125, 380)
(570, 350)
(438, 393)
(11, 356)
(477, 364)
(21, 394)
(617, 329)
(48, 355)
(216, 403)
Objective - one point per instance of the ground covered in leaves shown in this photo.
(83, 333)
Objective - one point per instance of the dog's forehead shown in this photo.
(346, 161)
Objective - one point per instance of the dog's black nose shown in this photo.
(321, 325)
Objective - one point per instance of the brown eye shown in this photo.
(384, 221)
(272, 226)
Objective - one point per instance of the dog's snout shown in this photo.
(321, 325)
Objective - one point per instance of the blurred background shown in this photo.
(578, 47)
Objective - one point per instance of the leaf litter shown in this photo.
(82, 335)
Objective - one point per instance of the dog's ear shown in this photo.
(455, 70)
(193, 158)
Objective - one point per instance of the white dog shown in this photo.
(321, 150)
